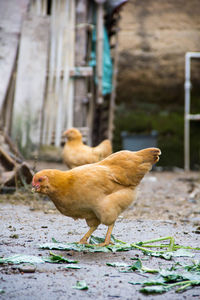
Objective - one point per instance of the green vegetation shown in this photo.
(166, 250)
(80, 285)
(159, 280)
(170, 128)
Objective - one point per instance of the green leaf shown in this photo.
(139, 243)
(94, 240)
(21, 258)
(120, 246)
(166, 255)
(2, 291)
(117, 264)
(74, 246)
(136, 266)
(195, 267)
(148, 270)
(134, 282)
(157, 281)
(174, 276)
(54, 240)
(80, 285)
(183, 253)
(142, 259)
(72, 267)
(157, 289)
(54, 258)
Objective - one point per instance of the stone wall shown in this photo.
(154, 37)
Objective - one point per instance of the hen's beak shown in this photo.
(35, 188)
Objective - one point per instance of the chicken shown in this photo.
(75, 153)
(97, 192)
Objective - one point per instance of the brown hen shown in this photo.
(75, 153)
(97, 192)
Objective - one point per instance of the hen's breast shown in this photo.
(73, 209)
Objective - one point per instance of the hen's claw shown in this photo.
(83, 243)
(104, 244)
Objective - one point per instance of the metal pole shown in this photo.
(188, 116)
(187, 112)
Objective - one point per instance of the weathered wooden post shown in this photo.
(114, 82)
(80, 89)
(99, 49)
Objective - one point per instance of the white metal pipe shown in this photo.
(195, 117)
(193, 54)
(187, 111)
(188, 116)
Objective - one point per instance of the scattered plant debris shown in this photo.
(172, 250)
(170, 279)
(137, 266)
(55, 258)
(80, 285)
(178, 276)
(21, 258)
(71, 266)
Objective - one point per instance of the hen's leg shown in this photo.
(108, 236)
(87, 235)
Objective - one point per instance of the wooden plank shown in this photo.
(11, 15)
(114, 81)
(81, 72)
(69, 98)
(31, 80)
(80, 90)
(7, 109)
(99, 53)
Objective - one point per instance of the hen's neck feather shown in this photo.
(59, 180)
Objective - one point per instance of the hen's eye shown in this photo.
(40, 179)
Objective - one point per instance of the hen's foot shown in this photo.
(104, 244)
(83, 242)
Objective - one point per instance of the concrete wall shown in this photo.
(154, 37)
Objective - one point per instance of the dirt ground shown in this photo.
(168, 204)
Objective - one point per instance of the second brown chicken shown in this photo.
(76, 153)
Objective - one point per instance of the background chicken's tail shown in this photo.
(103, 149)
(150, 155)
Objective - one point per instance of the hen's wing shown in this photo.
(128, 168)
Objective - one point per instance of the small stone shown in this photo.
(14, 236)
(27, 269)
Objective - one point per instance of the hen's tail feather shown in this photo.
(104, 148)
(150, 155)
